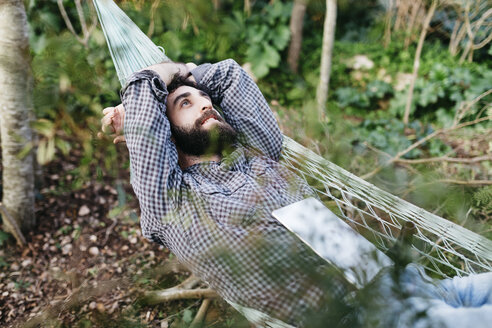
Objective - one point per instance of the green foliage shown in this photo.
(365, 98)
(391, 136)
(267, 34)
(73, 83)
(3, 263)
(3, 237)
(483, 198)
(260, 37)
(21, 284)
(443, 91)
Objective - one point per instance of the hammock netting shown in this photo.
(443, 247)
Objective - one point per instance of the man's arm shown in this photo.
(244, 106)
(153, 157)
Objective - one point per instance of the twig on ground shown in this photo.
(200, 316)
(109, 230)
(188, 283)
(166, 295)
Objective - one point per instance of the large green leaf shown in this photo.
(271, 55)
(281, 37)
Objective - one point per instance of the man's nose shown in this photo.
(205, 105)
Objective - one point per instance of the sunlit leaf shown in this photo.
(63, 145)
(46, 151)
(44, 127)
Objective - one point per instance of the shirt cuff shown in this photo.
(158, 86)
(199, 71)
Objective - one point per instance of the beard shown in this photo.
(196, 141)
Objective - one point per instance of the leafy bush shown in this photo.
(440, 93)
(365, 98)
(391, 136)
(267, 34)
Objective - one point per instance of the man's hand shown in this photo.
(114, 117)
(167, 70)
(190, 67)
(112, 122)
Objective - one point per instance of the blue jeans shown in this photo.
(415, 300)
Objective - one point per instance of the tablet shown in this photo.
(334, 240)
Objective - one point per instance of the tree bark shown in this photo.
(326, 54)
(416, 62)
(296, 25)
(16, 115)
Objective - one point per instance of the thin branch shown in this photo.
(200, 315)
(466, 182)
(190, 282)
(154, 6)
(446, 159)
(166, 295)
(80, 12)
(67, 20)
(387, 27)
(461, 113)
(411, 22)
(480, 112)
(483, 43)
(423, 140)
(416, 62)
(86, 31)
(109, 230)
(247, 7)
(452, 38)
(379, 151)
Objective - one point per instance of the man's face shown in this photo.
(196, 126)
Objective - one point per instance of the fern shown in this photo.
(483, 197)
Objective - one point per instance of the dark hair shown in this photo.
(181, 80)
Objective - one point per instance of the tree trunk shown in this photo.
(16, 115)
(326, 54)
(296, 24)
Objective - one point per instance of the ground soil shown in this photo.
(86, 264)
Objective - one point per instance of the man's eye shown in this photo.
(185, 103)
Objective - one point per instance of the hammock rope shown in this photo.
(443, 247)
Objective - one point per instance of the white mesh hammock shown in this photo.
(443, 247)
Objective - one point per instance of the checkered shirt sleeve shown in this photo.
(153, 157)
(243, 104)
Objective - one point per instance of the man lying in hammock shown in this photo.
(213, 211)
(207, 183)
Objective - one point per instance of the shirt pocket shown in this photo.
(233, 206)
(258, 167)
(227, 185)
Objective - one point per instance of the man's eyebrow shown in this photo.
(183, 95)
(204, 94)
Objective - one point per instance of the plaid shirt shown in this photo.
(216, 216)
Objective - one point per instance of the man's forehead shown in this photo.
(186, 90)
